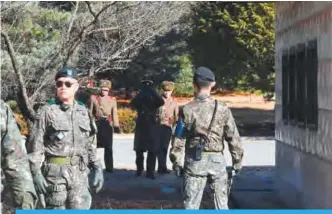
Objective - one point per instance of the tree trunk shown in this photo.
(24, 104)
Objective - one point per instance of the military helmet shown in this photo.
(105, 84)
(67, 72)
(167, 85)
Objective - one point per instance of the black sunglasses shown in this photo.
(68, 84)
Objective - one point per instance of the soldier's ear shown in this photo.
(213, 84)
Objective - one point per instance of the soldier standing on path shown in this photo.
(167, 116)
(146, 103)
(201, 128)
(65, 134)
(15, 162)
(104, 109)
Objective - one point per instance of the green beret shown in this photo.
(105, 84)
(167, 86)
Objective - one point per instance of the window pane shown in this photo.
(285, 90)
(292, 85)
(300, 86)
(312, 102)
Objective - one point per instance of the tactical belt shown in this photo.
(212, 153)
(207, 153)
(74, 160)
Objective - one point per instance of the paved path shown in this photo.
(253, 188)
(257, 152)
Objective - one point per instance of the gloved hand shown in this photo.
(40, 183)
(117, 130)
(233, 172)
(98, 179)
(178, 170)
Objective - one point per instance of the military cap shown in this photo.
(204, 74)
(105, 84)
(167, 85)
(67, 72)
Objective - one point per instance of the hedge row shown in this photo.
(127, 118)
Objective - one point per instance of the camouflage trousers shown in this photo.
(68, 187)
(212, 168)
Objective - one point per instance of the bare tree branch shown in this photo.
(90, 9)
(72, 21)
(81, 36)
(27, 105)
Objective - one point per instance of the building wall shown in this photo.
(303, 156)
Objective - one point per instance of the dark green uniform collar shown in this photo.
(64, 106)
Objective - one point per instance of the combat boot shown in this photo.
(150, 175)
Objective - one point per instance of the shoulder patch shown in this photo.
(81, 103)
(52, 101)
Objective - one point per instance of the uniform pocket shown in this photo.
(84, 125)
(57, 198)
(218, 163)
(60, 130)
(217, 159)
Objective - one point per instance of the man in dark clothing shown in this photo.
(146, 103)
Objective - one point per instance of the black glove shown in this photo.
(117, 130)
(233, 172)
(178, 170)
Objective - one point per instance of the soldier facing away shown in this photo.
(104, 109)
(15, 162)
(202, 126)
(167, 116)
(65, 134)
(146, 103)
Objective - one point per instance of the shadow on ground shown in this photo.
(254, 122)
(252, 189)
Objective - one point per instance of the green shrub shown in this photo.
(13, 105)
(127, 119)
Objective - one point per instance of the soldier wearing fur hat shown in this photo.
(104, 109)
(167, 115)
(146, 103)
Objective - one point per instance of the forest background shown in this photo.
(124, 41)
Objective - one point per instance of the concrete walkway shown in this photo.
(253, 188)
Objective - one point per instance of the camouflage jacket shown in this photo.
(197, 115)
(63, 131)
(14, 158)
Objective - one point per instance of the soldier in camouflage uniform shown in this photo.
(146, 103)
(167, 116)
(15, 162)
(203, 146)
(65, 134)
(104, 109)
